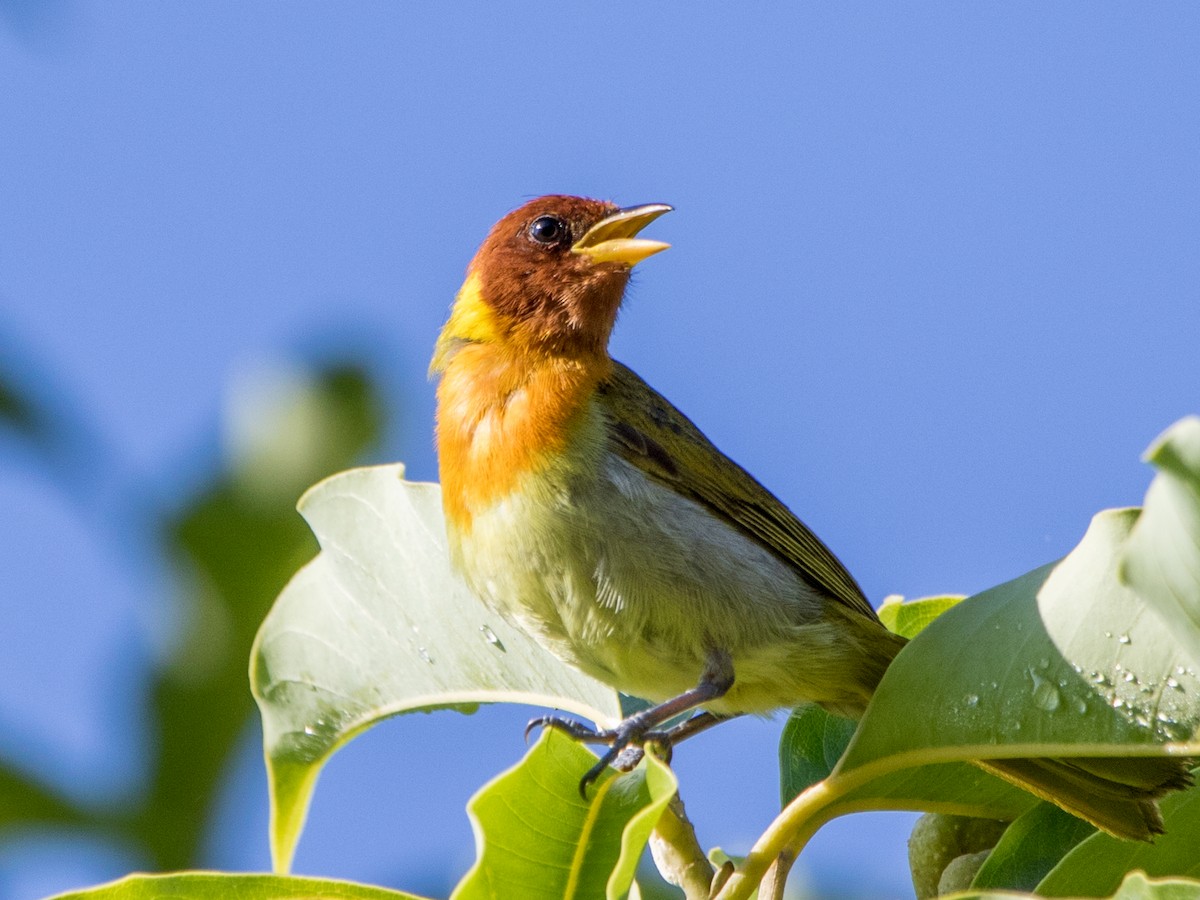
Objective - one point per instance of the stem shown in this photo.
(782, 842)
(773, 883)
(677, 853)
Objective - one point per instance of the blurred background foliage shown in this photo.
(228, 545)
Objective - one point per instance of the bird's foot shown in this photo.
(572, 729)
(625, 742)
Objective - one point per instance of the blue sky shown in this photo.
(935, 281)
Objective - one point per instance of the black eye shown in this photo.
(548, 230)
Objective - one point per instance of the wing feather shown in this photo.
(642, 424)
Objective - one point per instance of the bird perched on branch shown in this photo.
(583, 506)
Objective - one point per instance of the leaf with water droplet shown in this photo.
(1045, 694)
(1058, 652)
(374, 627)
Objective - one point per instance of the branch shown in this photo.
(677, 853)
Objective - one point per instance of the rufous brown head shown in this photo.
(554, 271)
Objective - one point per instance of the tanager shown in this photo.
(583, 506)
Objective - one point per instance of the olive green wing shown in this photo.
(651, 434)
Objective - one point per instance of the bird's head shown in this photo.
(550, 276)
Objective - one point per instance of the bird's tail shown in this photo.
(1116, 794)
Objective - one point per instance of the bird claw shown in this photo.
(626, 742)
(571, 728)
(628, 759)
(626, 749)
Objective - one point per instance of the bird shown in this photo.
(582, 506)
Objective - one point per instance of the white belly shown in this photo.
(636, 585)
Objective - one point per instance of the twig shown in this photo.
(677, 853)
(773, 883)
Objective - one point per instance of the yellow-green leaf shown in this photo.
(536, 837)
(378, 624)
(222, 886)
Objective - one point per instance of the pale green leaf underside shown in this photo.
(222, 886)
(378, 624)
(536, 837)
(1162, 558)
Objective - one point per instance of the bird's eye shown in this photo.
(548, 230)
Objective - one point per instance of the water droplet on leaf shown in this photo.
(1045, 694)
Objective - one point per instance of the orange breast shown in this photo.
(503, 415)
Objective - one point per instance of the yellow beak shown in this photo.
(612, 239)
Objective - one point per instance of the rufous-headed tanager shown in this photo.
(583, 506)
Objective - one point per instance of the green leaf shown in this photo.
(18, 412)
(379, 624)
(1031, 847)
(910, 618)
(814, 740)
(1071, 659)
(24, 801)
(957, 788)
(1162, 557)
(536, 837)
(219, 886)
(1136, 886)
(1096, 866)
(812, 743)
(1064, 661)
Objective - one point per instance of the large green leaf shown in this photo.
(379, 624)
(1162, 558)
(221, 886)
(1068, 660)
(1136, 886)
(1097, 865)
(813, 742)
(956, 788)
(1064, 661)
(1031, 847)
(537, 837)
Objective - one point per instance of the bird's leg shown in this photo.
(715, 682)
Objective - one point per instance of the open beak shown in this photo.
(613, 239)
